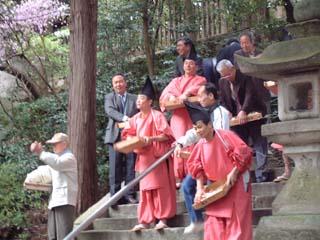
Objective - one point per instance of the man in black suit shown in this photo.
(239, 96)
(119, 107)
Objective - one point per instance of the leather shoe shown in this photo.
(132, 200)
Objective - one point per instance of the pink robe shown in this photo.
(157, 189)
(180, 121)
(231, 216)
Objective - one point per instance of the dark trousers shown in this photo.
(260, 144)
(60, 221)
(121, 167)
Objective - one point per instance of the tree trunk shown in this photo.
(82, 97)
(190, 19)
(147, 39)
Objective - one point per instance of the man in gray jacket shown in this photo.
(64, 174)
(119, 107)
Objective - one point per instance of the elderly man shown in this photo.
(239, 97)
(119, 107)
(219, 116)
(248, 49)
(179, 89)
(186, 49)
(63, 199)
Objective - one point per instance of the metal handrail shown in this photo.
(98, 212)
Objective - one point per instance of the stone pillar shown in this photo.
(295, 65)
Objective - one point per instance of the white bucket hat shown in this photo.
(58, 137)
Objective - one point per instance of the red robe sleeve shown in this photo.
(194, 163)
(238, 151)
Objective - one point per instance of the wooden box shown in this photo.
(39, 179)
(128, 145)
(38, 186)
(185, 154)
(250, 117)
(121, 125)
(171, 105)
(213, 192)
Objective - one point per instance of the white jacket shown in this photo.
(64, 178)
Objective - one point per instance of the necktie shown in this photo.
(121, 105)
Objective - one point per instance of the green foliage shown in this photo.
(52, 51)
(14, 200)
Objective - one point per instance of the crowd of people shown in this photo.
(217, 150)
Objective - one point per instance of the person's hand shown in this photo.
(232, 177)
(36, 148)
(172, 98)
(199, 195)
(147, 140)
(184, 96)
(177, 150)
(242, 115)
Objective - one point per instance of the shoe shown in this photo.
(194, 228)
(261, 179)
(131, 200)
(139, 227)
(281, 178)
(160, 225)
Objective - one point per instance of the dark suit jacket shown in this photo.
(112, 110)
(209, 71)
(246, 95)
(227, 52)
(258, 82)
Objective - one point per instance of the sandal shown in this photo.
(281, 178)
(139, 227)
(160, 225)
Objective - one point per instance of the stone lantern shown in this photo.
(295, 66)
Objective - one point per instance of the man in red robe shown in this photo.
(157, 189)
(179, 89)
(222, 154)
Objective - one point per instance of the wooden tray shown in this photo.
(185, 154)
(213, 192)
(121, 125)
(38, 186)
(128, 145)
(171, 105)
(254, 116)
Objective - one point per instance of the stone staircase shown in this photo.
(115, 224)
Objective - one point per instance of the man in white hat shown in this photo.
(63, 199)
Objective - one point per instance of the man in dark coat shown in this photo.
(119, 107)
(240, 98)
(248, 49)
(186, 49)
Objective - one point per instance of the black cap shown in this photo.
(197, 113)
(148, 89)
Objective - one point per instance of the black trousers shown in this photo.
(121, 168)
(260, 143)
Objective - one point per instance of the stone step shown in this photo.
(169, 233)
(266, 188)
(262, 201)
(181, 220)
(130, 210)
